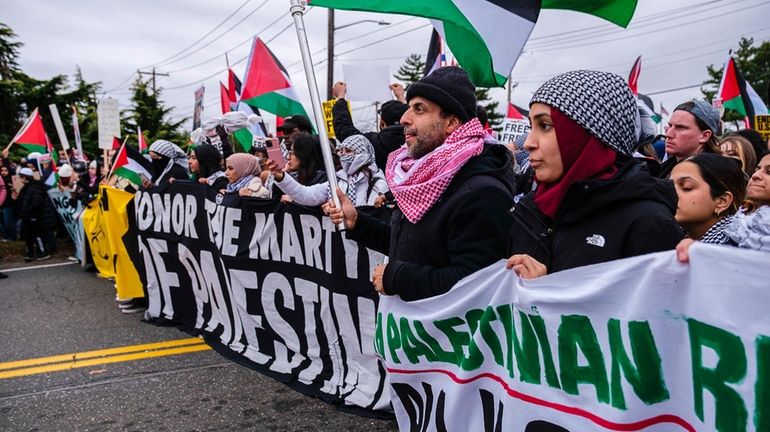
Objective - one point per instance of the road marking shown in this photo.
(35, 267)
(63, 362)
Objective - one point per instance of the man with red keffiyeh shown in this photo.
(453, 187)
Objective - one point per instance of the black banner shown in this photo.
(269, 285)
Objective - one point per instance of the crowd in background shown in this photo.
(592, 181)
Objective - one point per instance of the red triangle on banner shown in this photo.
(730, 89)
(263, 74)
(32, 135)
(224, 98)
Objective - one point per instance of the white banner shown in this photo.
(645, 343)
(367, 82)
(108, 122)
(59, 128)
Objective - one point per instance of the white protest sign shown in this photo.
(513, 129)
(59, 128)
(367, 83)
(639, 344)
(108, 115)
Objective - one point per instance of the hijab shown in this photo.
(170, 154)
(246, 167)
(583, 157)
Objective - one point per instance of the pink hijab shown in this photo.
(244, 165)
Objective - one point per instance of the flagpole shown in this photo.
(122, 147)
(297, 11)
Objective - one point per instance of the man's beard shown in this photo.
(426, 141)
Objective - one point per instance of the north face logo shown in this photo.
(595, 240)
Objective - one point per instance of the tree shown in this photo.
(20, 94)
(150, 114)
(753, 62)
(411, 71)
(490, 106)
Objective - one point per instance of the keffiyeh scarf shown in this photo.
(418, 184)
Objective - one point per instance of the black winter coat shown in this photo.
(462, 233)
(34, 205)
(600, 220)
(384, 142)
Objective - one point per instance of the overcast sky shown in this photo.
(110, 40)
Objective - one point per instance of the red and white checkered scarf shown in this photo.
(418, 184)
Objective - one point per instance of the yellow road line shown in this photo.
(99, 353)
(103, 360)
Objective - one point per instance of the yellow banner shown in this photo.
(762, 125)
(127, 280)
(96, 235)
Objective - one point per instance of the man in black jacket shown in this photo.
(391, 134)
(452, 191)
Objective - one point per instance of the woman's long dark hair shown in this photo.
(209, 160)
(307, 149)
(722, 174)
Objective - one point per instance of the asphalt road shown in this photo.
(60, 310)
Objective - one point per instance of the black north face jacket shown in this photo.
(600, 220)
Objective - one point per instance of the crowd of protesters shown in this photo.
(589, 184)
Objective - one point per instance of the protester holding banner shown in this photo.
(738, 147)
(452, 191)
(710, 189)
(37, 215)
(359, 178)
(391, 133)
(693, 128)
(593, 202)
(242, 172)
(205, 162)
(168, 162)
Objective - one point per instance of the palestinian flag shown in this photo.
(436, 57)
(738, 95)
(633, 77)
(267, 85)
(646, 107)
(131, 165)
(224, 98)
(234, 88)
(32, 135)
(515, 113)
(143, 147)
(486, 36)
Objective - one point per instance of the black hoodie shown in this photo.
(462, 233)
(600, 220)
(384, 141)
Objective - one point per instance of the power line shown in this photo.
(125, 81)
(221, 23)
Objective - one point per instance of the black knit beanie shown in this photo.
(449, 88)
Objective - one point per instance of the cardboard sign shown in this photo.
(108, 115)
(198, 111)
(367, 83)
(59, 127)
(762, 125)
(513, 131)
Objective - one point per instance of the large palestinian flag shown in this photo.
(32, 135)
(738, 95)
(487, 36)
(267, 86)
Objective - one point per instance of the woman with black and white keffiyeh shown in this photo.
(359, 178)
(168, 161)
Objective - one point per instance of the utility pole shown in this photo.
(330, 56)
(153, 73)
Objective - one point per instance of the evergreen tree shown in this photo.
(20, 94)
(490, 106)
(149, 112)
(753, 62)
(411, 71)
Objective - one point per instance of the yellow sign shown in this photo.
(328, 117)
(762, 125)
